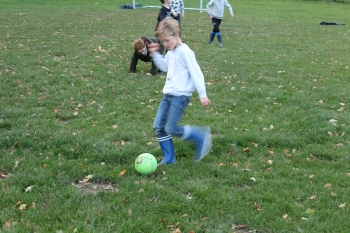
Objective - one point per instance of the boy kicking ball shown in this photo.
(183, 77)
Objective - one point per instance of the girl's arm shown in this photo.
(162, 14)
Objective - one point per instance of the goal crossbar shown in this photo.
(201, 9)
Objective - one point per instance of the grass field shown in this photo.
(73, 120)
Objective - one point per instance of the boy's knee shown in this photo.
(169, 130)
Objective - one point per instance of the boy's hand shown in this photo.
(152, 48)
(232, 15)
(205, 101)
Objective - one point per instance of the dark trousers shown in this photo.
(216, 23)
(178, 18)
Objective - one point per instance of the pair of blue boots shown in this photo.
(212, 36)
(199, 136)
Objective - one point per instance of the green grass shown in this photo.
(70, 108)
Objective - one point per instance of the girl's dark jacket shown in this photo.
(146, 58)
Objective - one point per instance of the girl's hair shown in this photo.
(138, 44)
(168, 27)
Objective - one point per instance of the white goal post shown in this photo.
(201, 8)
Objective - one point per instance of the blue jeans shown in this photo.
(170, 111)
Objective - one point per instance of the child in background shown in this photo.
(179, 7)
(183, 77)
(215, 9)
(165, 12)
(141, 52)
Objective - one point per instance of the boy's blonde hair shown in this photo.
(168, 27)
(138, 44)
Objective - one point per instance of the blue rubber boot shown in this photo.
(212, 35)
(219, 39)
(201, 138)
(167, 146)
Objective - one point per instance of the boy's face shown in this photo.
(142, 51)
(170, 42)
(168, 1)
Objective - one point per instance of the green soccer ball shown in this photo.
(145, 163)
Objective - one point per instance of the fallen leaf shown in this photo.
(29, 188)
(240, 227)
(309, 211)
(220, 164)
(122, 173)
(256, 205)
(270, 161)
(22, 206)
(7, 224)
(328, 185)
(342, 205)
(86, 179)
(339, 144)
(285, 216)
(189, 197)
(312, 198)
(16, 163)
(340, 109)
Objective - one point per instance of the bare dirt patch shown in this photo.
(95, 187)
